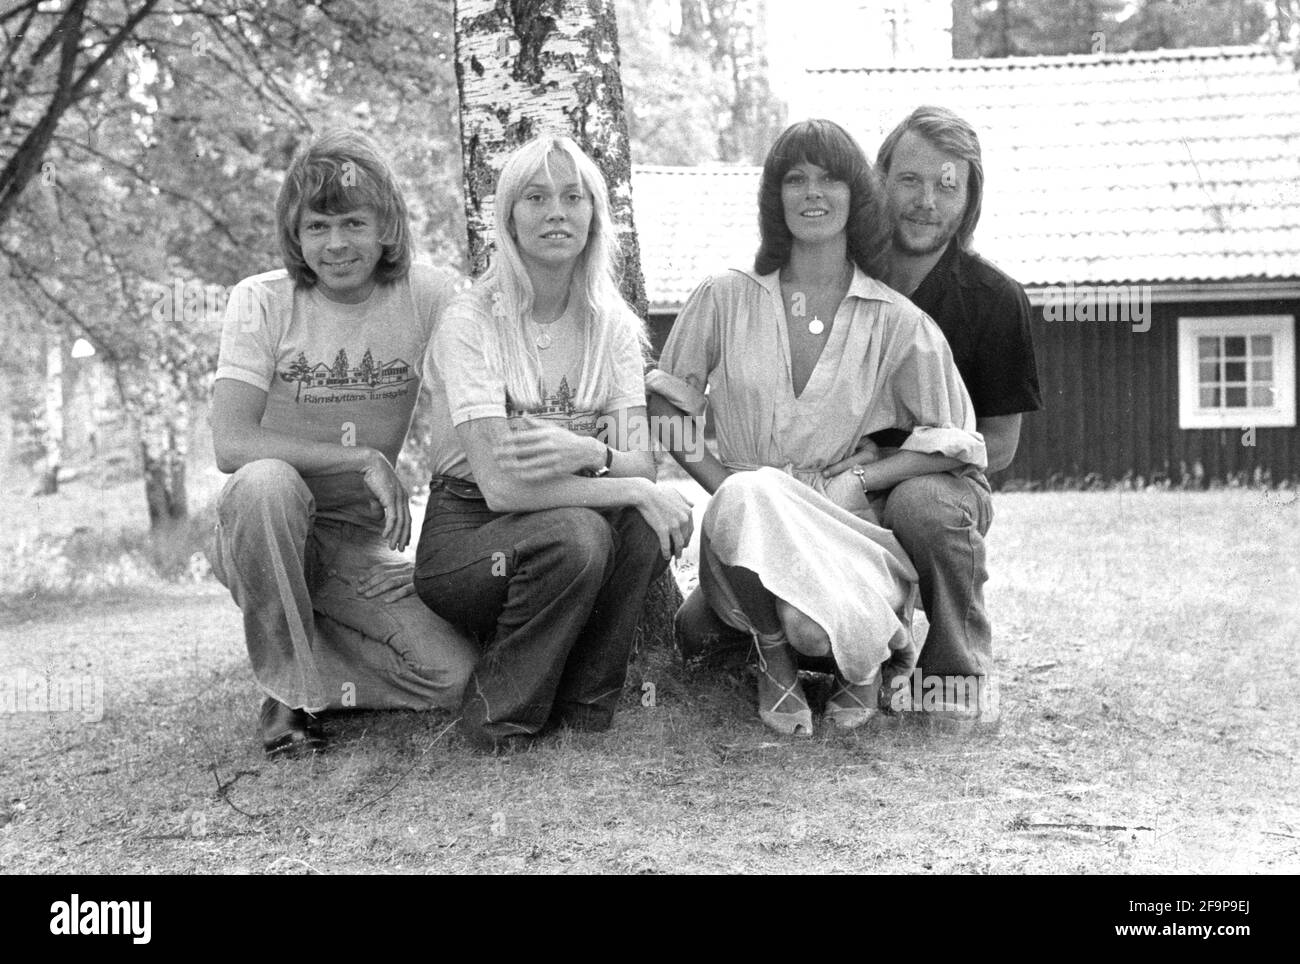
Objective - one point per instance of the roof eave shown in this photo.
(1165, 292)
(1168, 292)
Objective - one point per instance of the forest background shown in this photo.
(142, 144)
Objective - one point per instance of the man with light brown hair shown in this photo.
(933, 172)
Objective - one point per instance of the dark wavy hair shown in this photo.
(339, 172)
(948, 132)
(829, 146)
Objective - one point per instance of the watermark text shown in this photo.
(1128, 304)
(24, 692)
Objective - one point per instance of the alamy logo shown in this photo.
(1108, 303)
(25, 692)
(967, 695)
(73, 917)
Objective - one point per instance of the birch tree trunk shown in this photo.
(532, 66)
(53, 435)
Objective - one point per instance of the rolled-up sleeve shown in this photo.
(928, 398)
(690, 354)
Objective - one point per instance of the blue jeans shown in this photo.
(941, 520)
(554, 596)
(314, 642)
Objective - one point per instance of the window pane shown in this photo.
(1209, 398)
(1208, 347)
(1234, 371)
(1210, 372)
(1261, 371)
(1261, 345)
(1234, 397)
(1261, 396)
(1234, 346)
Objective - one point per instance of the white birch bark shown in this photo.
(53, 434)
(531, 66)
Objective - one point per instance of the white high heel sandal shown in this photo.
(785, 722)
(852, 705)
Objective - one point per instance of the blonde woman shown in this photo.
(544, 529)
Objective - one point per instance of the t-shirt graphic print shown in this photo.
(337, 373)
(466, 384)
(340, 382)
(558, 407)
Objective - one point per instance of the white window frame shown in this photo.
(1280, 415)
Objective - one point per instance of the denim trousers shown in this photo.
(554, 596)
(314, 642)
(941, 520)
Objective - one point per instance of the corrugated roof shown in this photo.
(1165, 166)
(692, 222)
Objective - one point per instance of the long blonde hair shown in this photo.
(603, 316)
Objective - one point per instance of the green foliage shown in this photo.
(169, 168)
(26, 417)
(162, 169)
(695, 75)
(1007, 28)
(86, 564)
(1205, 23)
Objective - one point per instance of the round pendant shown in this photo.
(816, 326)
(543, 339)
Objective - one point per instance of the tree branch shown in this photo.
(26, 160)
(111, 47)
(28, 279)
(13, 42)
(30, 6)
(23, 165)
(217, 222)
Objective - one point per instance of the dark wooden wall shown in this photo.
(1110, 411)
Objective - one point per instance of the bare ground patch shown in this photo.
(1146, 644)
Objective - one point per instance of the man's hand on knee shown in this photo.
(381, 479)
(388, 581)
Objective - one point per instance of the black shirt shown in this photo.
(985, 316)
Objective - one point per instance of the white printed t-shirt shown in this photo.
(464, 384)
(340, 373)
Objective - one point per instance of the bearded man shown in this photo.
(934, 180)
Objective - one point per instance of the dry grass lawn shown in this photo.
(1146, 645)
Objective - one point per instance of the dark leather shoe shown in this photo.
(288, 732)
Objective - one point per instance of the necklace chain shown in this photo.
(543, 338)
(816, 326)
